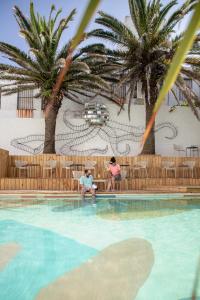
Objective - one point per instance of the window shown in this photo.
(25, 99)
(43, 104)
(120, 92)
(171, 98)
(188, 82)
(135, 95)
(25, 104)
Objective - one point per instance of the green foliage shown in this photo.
(179, 58)
(144, 51)
(39, 67)
(92, 5)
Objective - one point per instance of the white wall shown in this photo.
(12, 128)
(187, 125)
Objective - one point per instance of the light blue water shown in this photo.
(59, 236)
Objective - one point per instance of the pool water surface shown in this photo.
(143, 247)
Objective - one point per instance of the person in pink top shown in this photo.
(114, 173)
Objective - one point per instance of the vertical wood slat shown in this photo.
(4, 161)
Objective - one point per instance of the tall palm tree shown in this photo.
(39, 67)
(144, 51)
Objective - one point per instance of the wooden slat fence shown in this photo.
(154, 165)
(4, 156)
(34, 180)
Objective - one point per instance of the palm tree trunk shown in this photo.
(50, 127)
(149, 146)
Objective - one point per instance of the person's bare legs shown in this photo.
(109, 184)
(113, 183)
(83, 191)
(93, 192)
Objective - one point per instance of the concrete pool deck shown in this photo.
(167, 190)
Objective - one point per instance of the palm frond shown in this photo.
(188, 95)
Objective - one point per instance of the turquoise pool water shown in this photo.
(58, 235)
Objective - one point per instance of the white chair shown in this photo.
(180, 149)
(90, 165)
(189, 165)
(105, 168)
(76, 175)
(21, 166)
(168, 166)
(106, 164)
(141, 165)
(65, 165)
(192, 150)
(123, 179)
(49, 166)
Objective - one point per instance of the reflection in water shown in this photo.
(67, 206)
(139, 209)
(111, 208)
(55, 204)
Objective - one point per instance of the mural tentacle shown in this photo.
(21, 143)
(78, 141)
(114, 133)
(168, 125)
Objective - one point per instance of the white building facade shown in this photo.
(22, 127)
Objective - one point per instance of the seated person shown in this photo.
(114, 174)
(86, 184)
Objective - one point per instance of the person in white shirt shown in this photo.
(86, 182)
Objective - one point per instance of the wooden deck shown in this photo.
(156, 181)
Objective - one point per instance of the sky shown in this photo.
(9, 31)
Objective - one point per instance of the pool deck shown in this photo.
(63, 194)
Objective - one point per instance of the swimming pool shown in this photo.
(142, 247)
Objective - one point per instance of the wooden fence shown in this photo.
(168, 185)
(4, 155)
(136, 181)
(154, 165)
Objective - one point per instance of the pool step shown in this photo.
(193, 189)
(168, 189)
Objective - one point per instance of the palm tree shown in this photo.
(38, 68)
(144, 51)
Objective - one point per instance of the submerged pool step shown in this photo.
(193, 189)
(165, 188)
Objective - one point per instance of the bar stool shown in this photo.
(49, 166)
(192, 150)
(76, 175)
(65, 165)
(21, 166)
(168, 166)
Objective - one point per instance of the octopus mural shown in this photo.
(120, 137)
